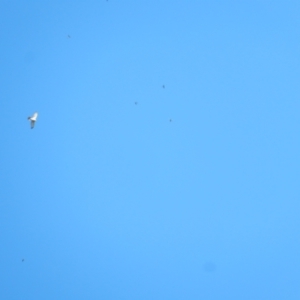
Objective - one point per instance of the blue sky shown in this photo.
(128, 190)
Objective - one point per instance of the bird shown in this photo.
(135, 103)
(69, 36)
(163, 86)
(33, 119)
(23, 259)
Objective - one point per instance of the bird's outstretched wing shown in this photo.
(32, 123)
(34, 117)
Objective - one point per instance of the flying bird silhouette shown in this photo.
(33, 119)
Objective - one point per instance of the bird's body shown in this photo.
(33, 119)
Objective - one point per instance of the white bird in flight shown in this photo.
(33, 119)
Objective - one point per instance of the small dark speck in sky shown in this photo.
(23, 259)
(209, 267)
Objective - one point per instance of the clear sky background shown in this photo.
(190, 193)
